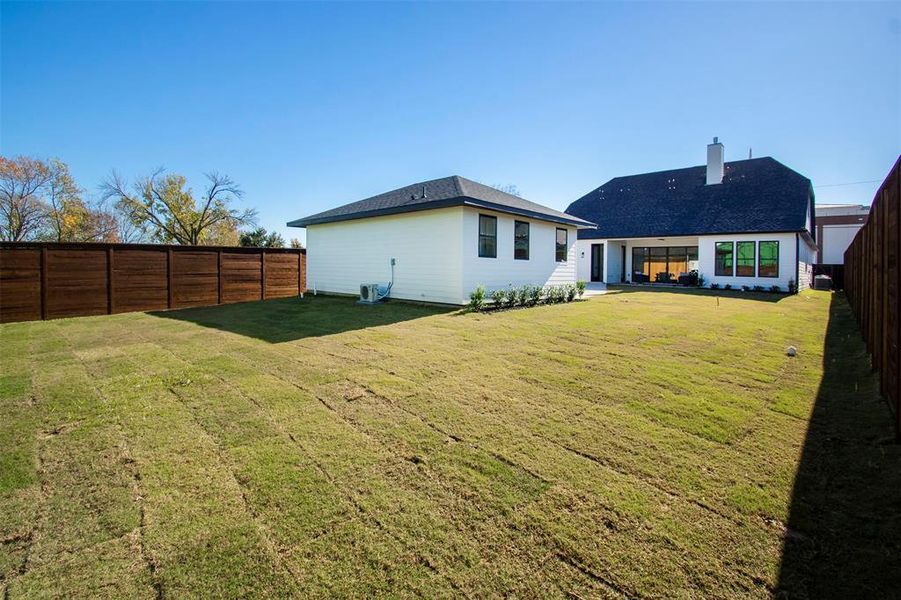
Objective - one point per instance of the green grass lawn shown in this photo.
(640, 444)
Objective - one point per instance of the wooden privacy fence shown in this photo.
(873, 287)
(49, 281)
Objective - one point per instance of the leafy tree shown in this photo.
(23, 212)
(260, 238)
(69, 217)
(223, 233)
(295, 243)
(166, 209)
(39, 200)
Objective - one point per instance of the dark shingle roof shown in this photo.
(440, 193)
(757, 195)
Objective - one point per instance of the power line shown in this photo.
(849, 183)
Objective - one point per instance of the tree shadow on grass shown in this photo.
(843, 536)
(288, 319)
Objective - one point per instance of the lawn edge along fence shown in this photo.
(50, 280)
(873, 287)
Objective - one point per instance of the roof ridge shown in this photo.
(702, 166)
(459, 188)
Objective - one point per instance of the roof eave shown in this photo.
(698, 234)
(366, 214)
(459, 201)
(574, 221)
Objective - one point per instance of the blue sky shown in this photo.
(309, 106)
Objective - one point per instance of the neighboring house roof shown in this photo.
(842, 209)
(759, 195)
(440, 193)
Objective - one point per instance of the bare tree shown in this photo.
(161, 205)
(509, 188)
(23, 213)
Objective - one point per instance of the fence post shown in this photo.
(169, 275)
(109, 280)
(219, 276)
(43, 283)
(299, 271)
(262, 274)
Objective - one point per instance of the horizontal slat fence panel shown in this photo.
(139, 280)
(195, 278)
(242, 277)
(873, 287)
(76, 282)
(282, 271)
(49, 281)
(20, 284)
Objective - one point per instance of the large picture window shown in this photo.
(520, 240)
(562, 244)
(768, 262)
(487, 236)
(744, 259)
(663, 264)
(724, 259)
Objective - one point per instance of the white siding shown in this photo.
(787, 259)
(836, 239)
(426, 244)
(613, 256)
(541, 268)
(806, 257)
(583, 258)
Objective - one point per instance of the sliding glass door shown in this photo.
(663, 264)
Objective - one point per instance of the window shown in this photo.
(562, 245)
(744, 259)
(663, 263)
(520, 240)
(768, 262)
(487, 236)
(638, 254)
(723, 265)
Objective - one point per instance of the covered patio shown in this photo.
(659, 261)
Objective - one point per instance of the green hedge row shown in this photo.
(525, 295)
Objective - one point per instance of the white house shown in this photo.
(438, 240)
(742, 223)
(837, 224)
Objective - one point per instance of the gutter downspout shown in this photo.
(797, 263)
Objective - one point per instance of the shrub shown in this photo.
(746, 288)
(477, 298)
(499, 297)
(758, 288)
(580, 288)
(512, 296)
(535, 293)
(570, 291)
(701, 280)
(714, 286)
(792, 286)
(523, 294)
(728, 286)
(775, 289)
